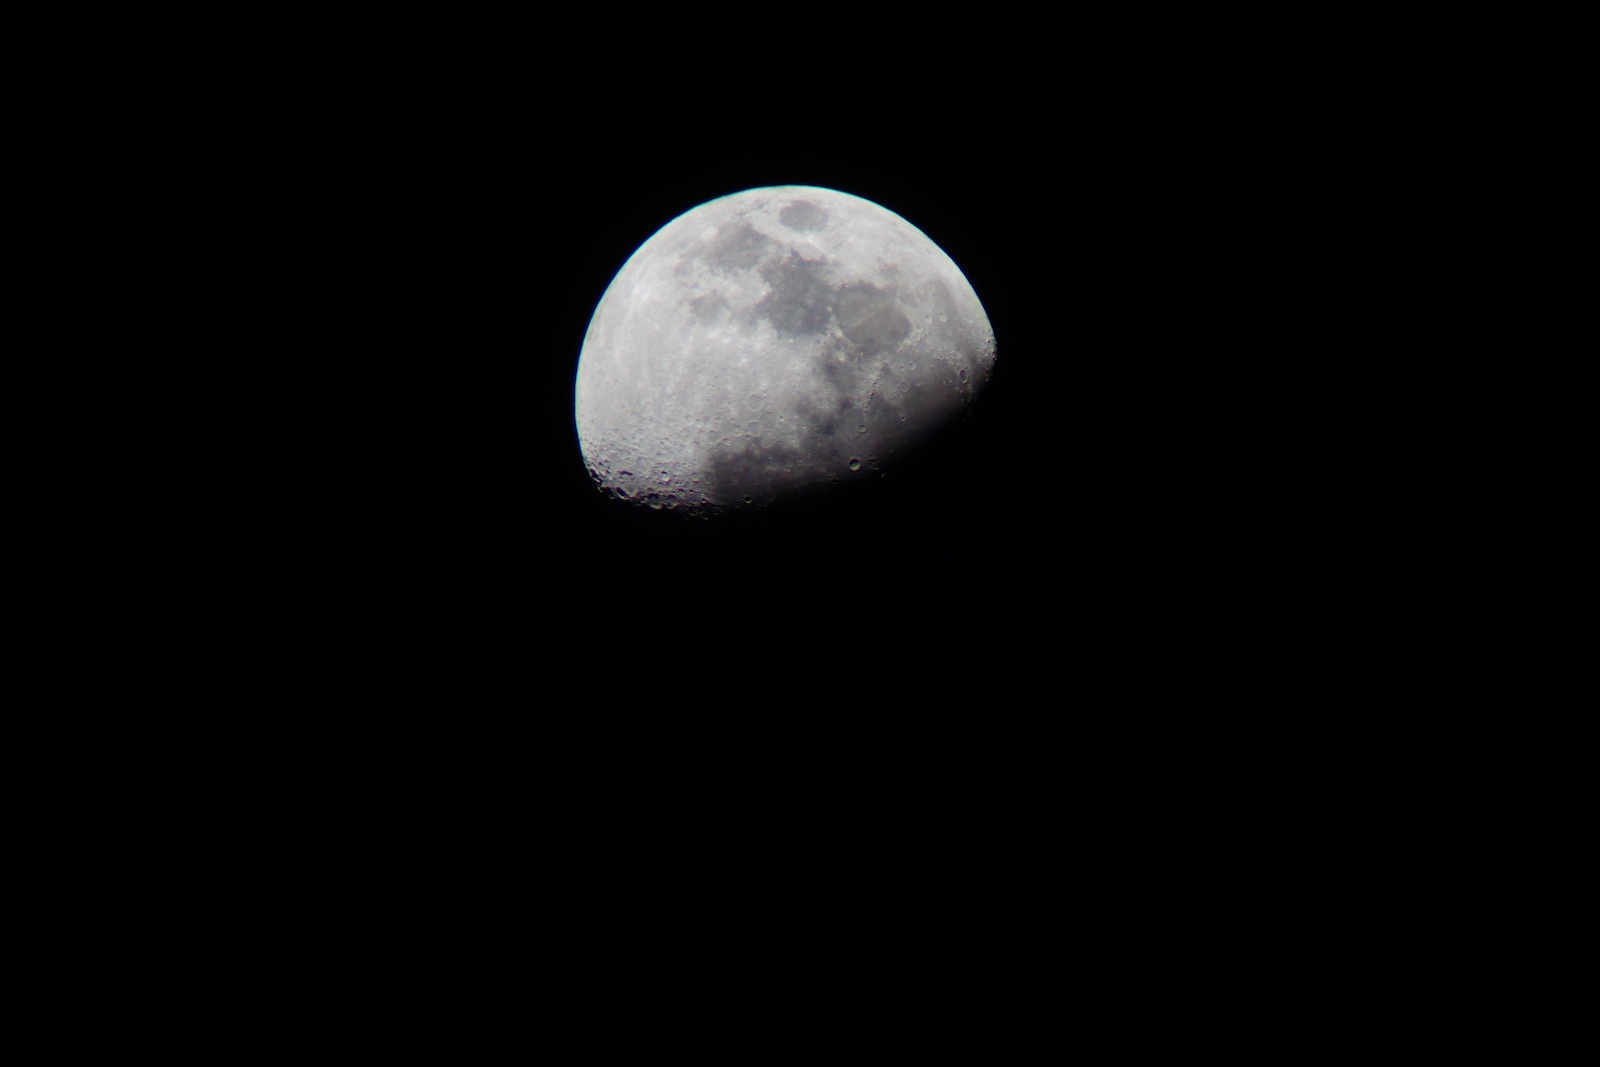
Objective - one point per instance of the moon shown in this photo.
(772, 342)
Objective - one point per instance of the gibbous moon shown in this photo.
(769, 342)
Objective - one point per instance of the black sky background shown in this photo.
(1091, 732)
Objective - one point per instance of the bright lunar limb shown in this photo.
(771, 341)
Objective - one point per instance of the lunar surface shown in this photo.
(771, 342)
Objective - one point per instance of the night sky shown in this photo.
(1088, 735)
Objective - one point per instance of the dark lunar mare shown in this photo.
(871, 331)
